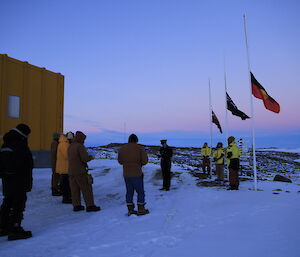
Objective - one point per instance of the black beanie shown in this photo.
(24, 129)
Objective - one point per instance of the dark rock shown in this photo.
(282, 179)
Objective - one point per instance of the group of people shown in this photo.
(70, 177)
(230, 155)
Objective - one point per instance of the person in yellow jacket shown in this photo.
(205, 152)
(62, 166)
(233, 154)
(218, 157)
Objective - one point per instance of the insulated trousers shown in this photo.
(79, 183)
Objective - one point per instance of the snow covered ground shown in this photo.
(188, 221)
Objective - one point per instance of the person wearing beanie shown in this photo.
(55, 179)
(205, 152)
(233, 155)
(16, 172)
(133, 156)
(79, 182)
(70, 136)
(218, 157)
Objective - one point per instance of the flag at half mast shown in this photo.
(234, 110)
(216, 121)
(259, 92)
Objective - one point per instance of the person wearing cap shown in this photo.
(205, 152)
(62, 168)
(55, 178)
(233, 154)
(165, 154)
(79, 182)
(16, 169)
(133, 156)
(218, 157)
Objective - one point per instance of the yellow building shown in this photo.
(31, 95)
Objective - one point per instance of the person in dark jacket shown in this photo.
(133, 156)
(165, 153)
(55, 179)
(16, 164)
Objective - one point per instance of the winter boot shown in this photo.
(78, 208)
(233, 188)
(3, 223)
(131, 209)
(93, 208)
(142, 210)
(164, 189)
(17, 232)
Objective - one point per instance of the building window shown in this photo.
(13, 106)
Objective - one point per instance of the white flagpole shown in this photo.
(252, 109)
(210, 127)
(226, 117)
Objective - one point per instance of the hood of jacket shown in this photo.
(79, 137)
(63, 138)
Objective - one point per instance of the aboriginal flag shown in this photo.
(216, 121)
(259, 92)
(234, 110)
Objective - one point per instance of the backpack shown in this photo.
(7, 162)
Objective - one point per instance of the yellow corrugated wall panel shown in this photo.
(48, 108)
(32, 92)
(41, 104)
(13, 84)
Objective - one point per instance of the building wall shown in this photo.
(41, 95)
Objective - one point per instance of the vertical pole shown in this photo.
(210, 127)
(252, 109)
(226, 118)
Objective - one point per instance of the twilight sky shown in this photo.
(147, 63)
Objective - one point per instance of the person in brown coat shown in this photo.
(55, 176)
(62, 168)
(133, 156)
(78, 158)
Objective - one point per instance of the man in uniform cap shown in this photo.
(166, 154)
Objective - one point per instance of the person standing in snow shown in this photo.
(165, 154)
(62, 165)
(218, 156)
(16, 172)
(133, 156)
(79, 182)
(55, 178)
(205, 152)
(233, 154)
